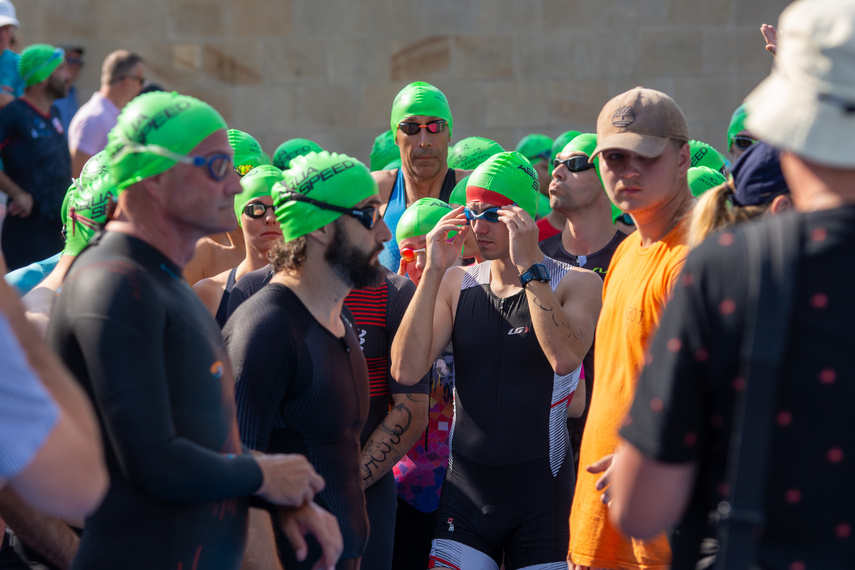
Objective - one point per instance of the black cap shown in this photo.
(757, 176)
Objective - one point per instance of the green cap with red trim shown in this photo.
(505, 178)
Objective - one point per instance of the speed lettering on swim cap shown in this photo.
(88, 207)
(335, 179)
(151, 123)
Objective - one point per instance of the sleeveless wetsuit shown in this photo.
(509, 479)
(222, 309)
(300, 389)
(151, 358)
(390, 256)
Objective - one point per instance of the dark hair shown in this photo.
(288, 256)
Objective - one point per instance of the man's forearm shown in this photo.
(52, 373)
(8, 186)
(394, 437)
(50, 536)
(411, 348)
(562, 340)
(260, 550)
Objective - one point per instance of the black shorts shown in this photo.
(518, 512)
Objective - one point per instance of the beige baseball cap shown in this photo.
(642, 121)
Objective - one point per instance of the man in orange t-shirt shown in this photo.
(644, 157)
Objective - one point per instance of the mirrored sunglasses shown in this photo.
(432, 127)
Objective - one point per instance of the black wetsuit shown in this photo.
(377, 314)
(222, 308)
(151, 358)
(509, 484)
(301, 389)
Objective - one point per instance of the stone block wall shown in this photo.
(328, 70)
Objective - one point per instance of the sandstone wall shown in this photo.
(327, 70)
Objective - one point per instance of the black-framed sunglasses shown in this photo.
(257, 210)
(436, 126)
(577, 163)
(489, 215)
(743, 142)
(367, 216)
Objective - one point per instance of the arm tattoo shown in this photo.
(378, 451)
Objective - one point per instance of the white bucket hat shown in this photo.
(7, 14)
(807, 104)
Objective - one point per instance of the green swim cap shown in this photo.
(535, 147)
(66, 202)
(543, 207)
(88, 206)
(292, 148)
(336, 179)
(468, 153)
(38, 61)
(504, 178)
(421, 217)
(561, 141)
(394, 165)
(420, 98)
(256, 183)
(383, 151)
(737, 124)
(248, 153)
(705, 155)
(95, 168)
(703, 178)
(458, 195)
(153, 128)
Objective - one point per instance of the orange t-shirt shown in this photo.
(639, 282)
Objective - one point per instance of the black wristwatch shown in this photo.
(536, 272)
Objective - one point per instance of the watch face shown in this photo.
(540, 272)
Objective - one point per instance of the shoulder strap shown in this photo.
(772, 249)
(448, 184)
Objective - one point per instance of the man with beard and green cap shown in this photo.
(35, 157)
(301, 378)
(520, 324)
(153, 361)
(421, 124)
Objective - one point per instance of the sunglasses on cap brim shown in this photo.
(432, 127)
(577, 163)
